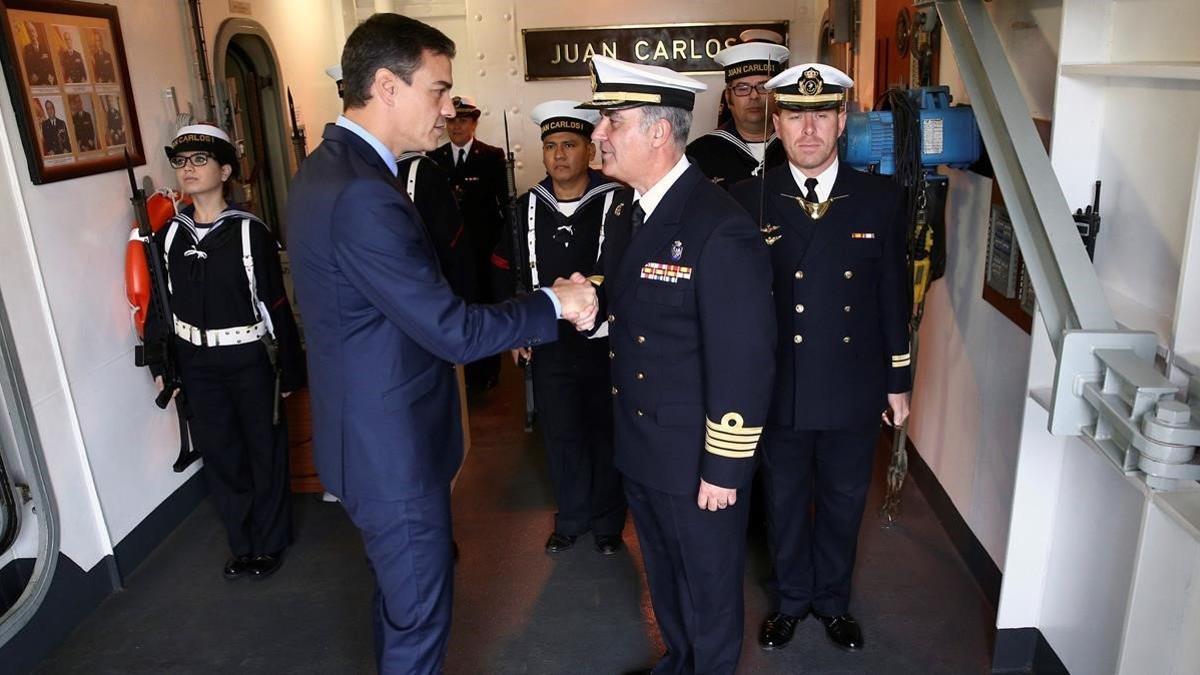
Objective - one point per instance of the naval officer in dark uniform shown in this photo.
(71, 61)
(563, 223)
(102, 60)
(687, 288)
(479, 178)
(737, 149)
(837, 240)
(38, 66)
(55, 140)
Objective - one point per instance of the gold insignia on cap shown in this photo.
(811, 82)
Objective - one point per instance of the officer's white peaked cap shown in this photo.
(620, 84)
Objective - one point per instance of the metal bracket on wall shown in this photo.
(1107, 386)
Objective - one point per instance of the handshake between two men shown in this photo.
(577, 297)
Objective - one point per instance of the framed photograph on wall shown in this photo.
(69, 83)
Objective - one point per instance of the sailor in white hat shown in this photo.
(739, 147)
(237, 346)
(760, 35)
(687, 295)
(561, 228)
(837, 242)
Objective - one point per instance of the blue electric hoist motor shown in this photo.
(918, 132)
(948, 135)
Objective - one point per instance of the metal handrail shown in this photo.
(11, 511)
(1068, 291)
(29, 450)
(1107, 387)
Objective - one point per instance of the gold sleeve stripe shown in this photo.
(729, 438)
(597, 279)
(902, 357)
(732, 454)
(901, 364)
(741, 447)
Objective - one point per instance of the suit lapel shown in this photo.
(616, 241)
(660, 228)
(780, 186)
(831, 227)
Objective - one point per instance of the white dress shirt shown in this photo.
(825, 180)
(654, 195)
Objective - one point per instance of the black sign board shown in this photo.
(553, 53)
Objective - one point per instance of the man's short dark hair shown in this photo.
(390, 41)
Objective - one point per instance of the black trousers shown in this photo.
(816, 483)
(571, 388)
(478, 373)
(695, 563)
(231, 390)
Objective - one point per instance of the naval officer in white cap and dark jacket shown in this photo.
(687, 296)
(837, 241)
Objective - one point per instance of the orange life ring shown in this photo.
(160, 206)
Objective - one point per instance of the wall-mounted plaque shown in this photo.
(558, 53)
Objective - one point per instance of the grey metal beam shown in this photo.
(1068, 291)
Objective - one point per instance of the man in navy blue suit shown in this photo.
(383, 329)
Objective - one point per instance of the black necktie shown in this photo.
(462, 156)
(811, 193)
(638, 217)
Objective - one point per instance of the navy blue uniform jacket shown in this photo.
(383, 327)
(692, 338)
(841, 300)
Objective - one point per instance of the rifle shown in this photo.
(160, 350)
(299, 138)
(520, 265)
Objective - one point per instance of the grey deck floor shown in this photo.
(516, 609)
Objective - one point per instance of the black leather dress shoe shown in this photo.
(608, 544)
(557, 543)
(843, 631)
(236, 567)
(777, 630)
(264, 565)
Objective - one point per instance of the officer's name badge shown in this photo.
(664, 272)
(862, 235)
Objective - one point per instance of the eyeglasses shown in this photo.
(197, 160)
(744, 89)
